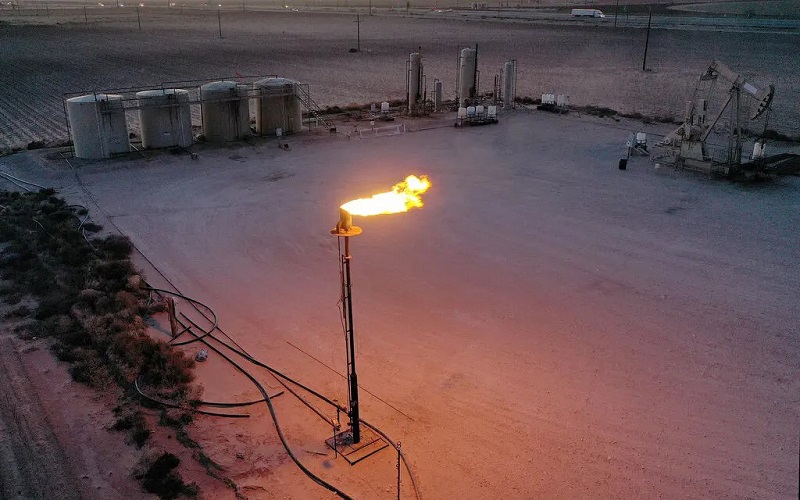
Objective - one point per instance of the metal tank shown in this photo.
(437, 95)
(509, 83)
(225, 111)
(165, 117)
(414, 93)
(97, 125)
(278, 106)
(467, 75)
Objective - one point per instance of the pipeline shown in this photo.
(278, 429)
(181, 407)
(239, 350)
(209, 335)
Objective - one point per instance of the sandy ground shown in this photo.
(547, 326)
(593, 64)
(54, 437)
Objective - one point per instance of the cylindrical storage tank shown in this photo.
(437, 95)
(278, 106)
(165, 118)
(97, 125)
(414, 94)
(509, 84)
(226, 111)
(466, 75)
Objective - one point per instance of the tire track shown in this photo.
(32, 462)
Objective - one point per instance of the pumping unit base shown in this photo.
(369, 444)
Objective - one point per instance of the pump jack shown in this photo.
(689, 140)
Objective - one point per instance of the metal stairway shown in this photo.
(314, 111)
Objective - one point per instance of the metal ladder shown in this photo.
(314, 111)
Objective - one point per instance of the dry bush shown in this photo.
(89, 300)
(159, 476)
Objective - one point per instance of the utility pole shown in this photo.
(358, 31)
(647, 40)
(219, 22)
(615, 14)
(138, 18)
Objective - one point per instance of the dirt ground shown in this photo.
(594, 64)
(547, 326)
(54, 437)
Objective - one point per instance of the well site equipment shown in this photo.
(165, 118)
(99, 121)
(345, 230)
(467, 76)
(97, 125)
(415, 84)
(509, 83)
(225, 111)
(279, 109)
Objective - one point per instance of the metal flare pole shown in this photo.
(352, 378)
(345, 229)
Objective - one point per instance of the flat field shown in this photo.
(547, 326)
(592, 62)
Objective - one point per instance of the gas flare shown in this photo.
(403, 196)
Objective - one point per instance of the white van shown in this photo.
(587, 13)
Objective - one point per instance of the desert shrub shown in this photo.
(633, 116)
(175, 417)
(600, 111)
(89, 299)
(116, 246)
(12, 297)
(91, 227)
(88, 368)
(774, 135)
(163, 367)
(667, 119)
(111, 275)
(162, 479)
(62, 327)
(527, 100)
(131, 420)
(22, 311)
(58, 302)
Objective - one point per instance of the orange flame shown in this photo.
(401, 198)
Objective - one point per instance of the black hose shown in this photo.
(15, 183)
(267, 399)
(181, 407)
(6, 174)
(240, 350)
(256, 362)
(308, 405)
(330, 402)
(195, 303)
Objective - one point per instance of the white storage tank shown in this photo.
(165, 118)
(226, 111)
(509, 83)
(278, 106)
(437, 95)
(467, 68)
(414, 94)
(97, 125)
